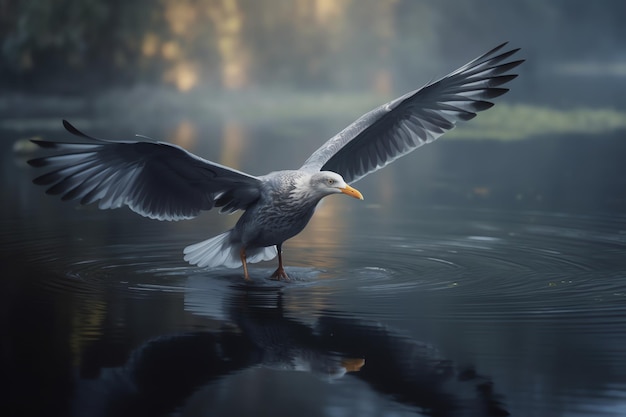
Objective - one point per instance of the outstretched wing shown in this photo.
(155, 179)
(419, 117)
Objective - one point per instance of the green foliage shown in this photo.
(520, 121)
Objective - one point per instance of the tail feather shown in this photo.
(220, 251)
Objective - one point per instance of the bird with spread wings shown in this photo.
(165, 182)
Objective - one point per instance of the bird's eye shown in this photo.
(331, 181)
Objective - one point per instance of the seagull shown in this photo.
(163, 181)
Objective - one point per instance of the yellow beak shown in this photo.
(352, 192)
(353, 364)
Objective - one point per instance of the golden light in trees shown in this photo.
(150, 44)
(181, 16)
(214, 36)
(183, 21)
(183, 75)
(171, 50)
(327, 10)
(227, 20)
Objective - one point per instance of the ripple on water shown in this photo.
(528, 267)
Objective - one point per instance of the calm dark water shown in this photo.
(477, 279)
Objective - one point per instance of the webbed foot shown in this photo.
(280, 274)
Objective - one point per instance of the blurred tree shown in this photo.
(62, 42)
(554, 30)
(292, 41)
(67, 46)
(227, 19)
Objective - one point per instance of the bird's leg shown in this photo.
(242, 255)
(280, 271)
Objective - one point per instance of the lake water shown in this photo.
(478, 278)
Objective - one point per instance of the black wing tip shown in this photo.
(502, 45)
(46, 144)
(491, 55)
(33, 163)
(494, 92)
(70, 128)
(467, 116)
(482, 105)
(503, 79)
(52, 191)
(74, 131)
(498, 47)
(514, 64)
(41, 180)
(41, 161)
(43, 143)
(37, 162)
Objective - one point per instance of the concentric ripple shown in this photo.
(519, 293)
(518, 262)
(514, 262)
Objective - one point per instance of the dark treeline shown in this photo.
(65, 46)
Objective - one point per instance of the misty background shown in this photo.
(260, 85)
(502, 244)
(184, 57)
(75, 46)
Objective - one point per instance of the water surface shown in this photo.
(462, 293)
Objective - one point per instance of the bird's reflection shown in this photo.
(162, 374)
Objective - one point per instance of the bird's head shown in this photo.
(327, 182)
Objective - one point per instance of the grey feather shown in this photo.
(414, 119)
(165, 182)
(155, 179)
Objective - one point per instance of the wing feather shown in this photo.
(414, 119)
(155, 179)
